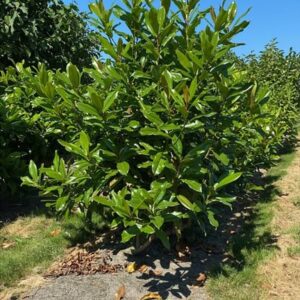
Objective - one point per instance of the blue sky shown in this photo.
(269, 19)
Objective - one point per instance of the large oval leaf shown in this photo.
(227, 180)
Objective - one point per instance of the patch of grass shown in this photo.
(238, 279)
(295, 250)
(280, 169)
(35, 250)
(33, 244)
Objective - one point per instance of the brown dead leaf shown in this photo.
(120, 294)
(132, 267)
(8, 245)
(55, 232)
(201, 278)
(143, 268)
(156, 272)
(152, 296)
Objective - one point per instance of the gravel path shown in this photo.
(103, 286)
(173, 280)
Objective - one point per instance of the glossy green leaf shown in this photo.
(74, 75)
(103, 200)
(147, 229)
(183, 60)
(185, 202)
(126, 236)
(161, 15)
(223, 158)
(212, 220)
(84, 140)
(61, 202)
(72, 148)
(88, 109)
(194, 185)
(108, 48)
(158, 163)
(152, 131)
(177, 145)
(151, 20)
(158, 221)
(110, 99)
(33, 171)
(227, 180)
(123, 167)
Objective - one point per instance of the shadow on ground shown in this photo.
(175, 277)
(209, 255)
(24, 205)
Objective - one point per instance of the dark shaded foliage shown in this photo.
(45, 31)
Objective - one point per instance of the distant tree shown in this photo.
(278, 70)
(45, 31)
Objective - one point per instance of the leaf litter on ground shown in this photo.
(82, 262)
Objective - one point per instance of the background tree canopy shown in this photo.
(45, 31)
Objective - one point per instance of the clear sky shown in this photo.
(269, 19)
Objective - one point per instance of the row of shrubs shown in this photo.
(166, 128)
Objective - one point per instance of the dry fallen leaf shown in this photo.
(156, 272)
(152, 296)
(201, 278)
(132, 267)
(55, 232)
(8, 245)
(143, 268)
(81, 262)
(120, 294)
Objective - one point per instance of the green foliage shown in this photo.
(165, 129)
(20, 134)
(43, 31)
(30, 123)
(280, 73)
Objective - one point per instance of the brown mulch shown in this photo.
(81, 261)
